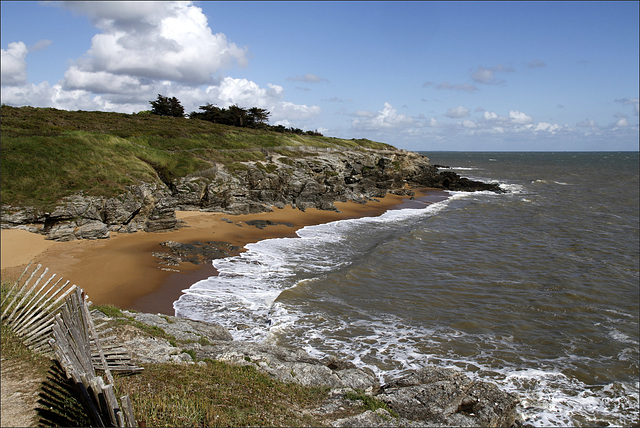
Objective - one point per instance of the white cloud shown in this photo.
(246, 93)
(386, 118)
(469, 124)
(13, 64)
(548, 127)
(296, 112)
(102, 82)
(144, 49)
(520, 118)
(152, 40)
(620, 123)
(457, 112)
(489, 115)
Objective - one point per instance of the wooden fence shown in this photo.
(54, 320)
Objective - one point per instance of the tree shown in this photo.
(258, 117)
(165, 106)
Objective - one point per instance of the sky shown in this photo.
(420, 75)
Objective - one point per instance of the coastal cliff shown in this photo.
(303, 177)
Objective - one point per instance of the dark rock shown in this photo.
(261, 224)
(195, 252)
(311, 179)
(448, 397)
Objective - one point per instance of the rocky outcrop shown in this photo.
(448, 397)
(306, 179)
(431, 396)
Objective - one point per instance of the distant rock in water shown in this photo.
(310, 178)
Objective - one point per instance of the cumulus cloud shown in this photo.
(386, 118)
(102, 81)
(144, 49)
(489, 115)
(308, 78)
(247, 93)
(14, 64)
(547, 127)
(151, 40)
(487, 76)
(520, 118)
(457, 112)
(622, 122)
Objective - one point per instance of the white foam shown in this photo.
(542, 181)
(247, 285)
(466, 168)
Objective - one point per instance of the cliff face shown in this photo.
(307, 178)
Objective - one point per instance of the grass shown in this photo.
(369, 402)
(13, 348)
(207, 394)
(48, 154)
(10, 344)
(216, 394)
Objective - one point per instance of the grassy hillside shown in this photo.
(47, 154)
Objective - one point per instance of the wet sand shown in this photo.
(122, 270)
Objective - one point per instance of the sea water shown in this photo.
(535, 289)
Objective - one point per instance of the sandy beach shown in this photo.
(122, 270)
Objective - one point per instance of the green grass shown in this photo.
(216, 394)
(369, 402)
(48, 154)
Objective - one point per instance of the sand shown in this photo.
(122, 270)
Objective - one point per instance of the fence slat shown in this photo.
(56, 320)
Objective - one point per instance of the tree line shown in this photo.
(234, 115)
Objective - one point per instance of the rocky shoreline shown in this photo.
(309, 178)
(430, 396)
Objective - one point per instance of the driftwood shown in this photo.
(55, 321)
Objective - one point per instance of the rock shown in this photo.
(448, 397)
(290, 365)
(379, 418)
(92, 230)
(195, 252)
(150, 350)
(432, 396)
(261, 224)
(62, 232)
(182, 329)
(311, 179)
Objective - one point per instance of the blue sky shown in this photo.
(418, 75)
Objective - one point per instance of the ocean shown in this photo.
(535, 289)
